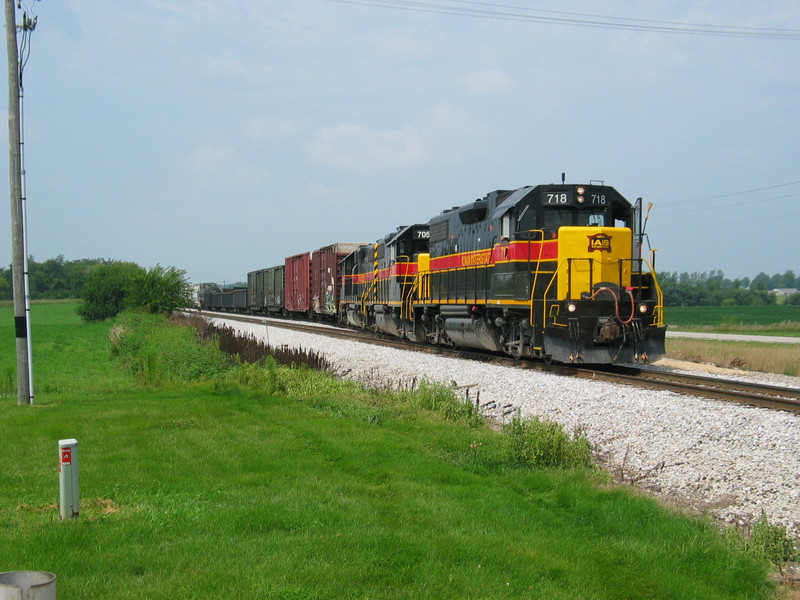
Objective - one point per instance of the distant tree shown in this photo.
(48, 279)
(787, 280)
(6, 290)
(108, 289)
(162, 289)
(112, 288)
(713, 289)
(77, 271)
(760, 282)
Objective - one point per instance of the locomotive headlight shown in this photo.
(643, 308)
(571, 307)
(581, 191)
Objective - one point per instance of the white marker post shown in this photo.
(69, 491)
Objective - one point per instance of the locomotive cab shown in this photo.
(605, 306)
(378, 281)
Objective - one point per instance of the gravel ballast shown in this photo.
(731, 461)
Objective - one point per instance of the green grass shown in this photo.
(764, 320)
(215, 489)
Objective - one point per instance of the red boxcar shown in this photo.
(326, 277)
(297, 290)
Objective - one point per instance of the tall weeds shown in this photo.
(542, 443)
(155, 353)
(783, 359)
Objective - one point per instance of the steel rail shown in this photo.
(744, 392)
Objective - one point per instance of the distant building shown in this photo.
(782, 294)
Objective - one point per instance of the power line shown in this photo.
(728, 195)
(708, 224)
(725, 206)
(679, 23)
(523, 14)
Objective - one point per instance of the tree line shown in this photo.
(106, 287)
(714, 289)
(57, 278)
(53, 279)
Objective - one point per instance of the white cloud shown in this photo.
(219, 165)
(449, 118)
(487, 82)
(269, 128)
(361, 149)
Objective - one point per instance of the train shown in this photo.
(552, 272)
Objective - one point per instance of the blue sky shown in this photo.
(220, 137)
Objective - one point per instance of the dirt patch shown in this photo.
(685, 365)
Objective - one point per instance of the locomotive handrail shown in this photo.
(561, 263)
(535, 279)
(406, 312)
(547, 291)
(364, 298)
(658, 310)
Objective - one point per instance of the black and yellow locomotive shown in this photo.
(551, 271)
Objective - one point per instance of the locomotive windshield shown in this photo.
(527, 219)
(561, 217)
(410, 242)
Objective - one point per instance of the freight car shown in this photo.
(550, 271)
(265, 290)
(226, 300)
(307, 285)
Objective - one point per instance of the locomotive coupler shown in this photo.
(608, 331)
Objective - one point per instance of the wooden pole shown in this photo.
(17, 222)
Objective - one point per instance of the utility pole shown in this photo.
(17, 217)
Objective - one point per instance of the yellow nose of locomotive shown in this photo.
(588, 256)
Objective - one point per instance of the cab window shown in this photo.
(564, 217)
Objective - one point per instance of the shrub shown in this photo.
(443, 400)
(107, 290)
(161, 290)
(771, 542)
(263, 376)
(112, 288)
(542, 443)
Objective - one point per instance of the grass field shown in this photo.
(782, 320)
(764, 357)
(321, 490)
(765, 320)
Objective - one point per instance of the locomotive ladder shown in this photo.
(364, 299)
(406, 310)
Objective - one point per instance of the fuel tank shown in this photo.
(473, 333)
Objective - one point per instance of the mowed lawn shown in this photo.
(781, 319)
(214, 490)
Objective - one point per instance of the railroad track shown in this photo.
(745, 392)
(753, 394)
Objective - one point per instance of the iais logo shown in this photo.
(600, 242)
